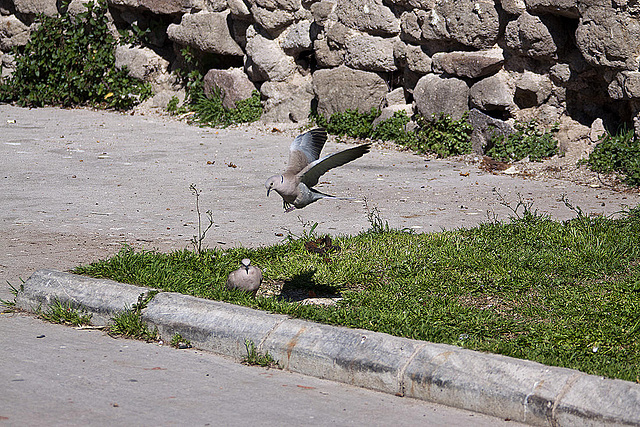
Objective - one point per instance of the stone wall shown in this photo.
(508, 59)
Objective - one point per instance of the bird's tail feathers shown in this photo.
(344, 198)
(329, 196)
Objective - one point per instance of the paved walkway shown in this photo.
(76, 184)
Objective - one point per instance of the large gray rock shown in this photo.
(495, 93)
(343, 88)
(513, 7)
(13, 33)
(465, 22)
(268, 57)
(530, 36)
(608, 37)
(568, 8)
(272, 20)
(560, 72)
(239, 9)
(161, 7)
(420, 26)
(337, 33)
(288, 101)
(326, 55)
(213, 5)
(205, 31)
(545, 115)
(473, 23)
(411, 26)
(414, 58)
(299, 38)
(435, 94)
(36, 7)
(233, 83)
(369, 16)
(288, 5)
(396, 97)
(322, 11)
(144, 64)
(473, 64)
(369, 53)
(532, 89)
(625, 85)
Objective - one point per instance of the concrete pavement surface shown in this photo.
(54, 375)
(509, 388)
(77, 184)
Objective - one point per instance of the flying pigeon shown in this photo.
(305, 167)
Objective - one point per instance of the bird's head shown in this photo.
(246, 262)
(273, 182)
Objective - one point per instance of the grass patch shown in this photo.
(528, 140)
(66, 314)
(177, 341)
(349, 123)
(129, 324)
(618, 153)
(560, 293)
(442, 135)
(10, 305)
(254, 357)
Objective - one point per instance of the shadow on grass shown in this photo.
(302, 286)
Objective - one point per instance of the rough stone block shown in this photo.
(434, 94)
(343, 88)
(369, 53)
(234, 84)
(473, 64)
(267, 55)
(205, 31)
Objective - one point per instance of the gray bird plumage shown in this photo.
(305, 168)
(247, 278)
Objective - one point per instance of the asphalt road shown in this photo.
(76, 185)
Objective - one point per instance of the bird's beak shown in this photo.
(268, 191)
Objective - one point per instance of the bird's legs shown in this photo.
(287, 207)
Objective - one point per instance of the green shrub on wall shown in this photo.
(443, 135)
(528, 140)
(618, 153)
(69, 60)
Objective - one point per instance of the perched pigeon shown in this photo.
(247, 278)
(305, 168)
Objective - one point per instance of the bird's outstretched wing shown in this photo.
(306, 149)
(312, 173)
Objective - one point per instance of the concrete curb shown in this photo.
(495, 385)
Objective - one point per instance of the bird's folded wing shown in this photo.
(310, 143)
(312, 173)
